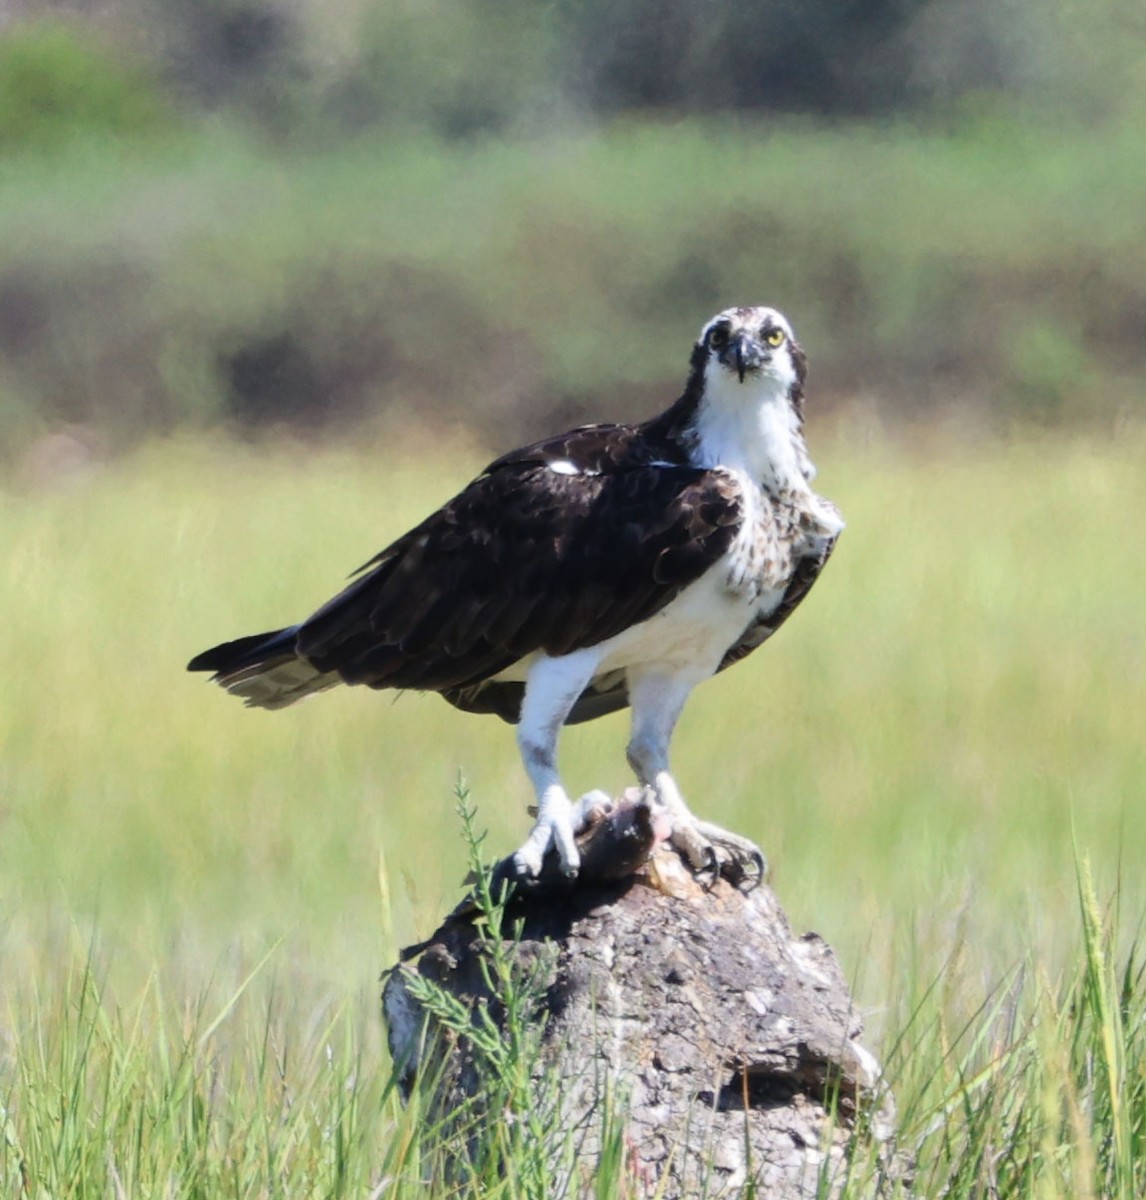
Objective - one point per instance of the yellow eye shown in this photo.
(774, 337)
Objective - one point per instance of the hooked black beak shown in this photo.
(747, 354)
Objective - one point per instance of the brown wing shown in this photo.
(555, 547)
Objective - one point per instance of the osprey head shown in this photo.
(753, 345)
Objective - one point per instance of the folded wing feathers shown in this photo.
(525, 558)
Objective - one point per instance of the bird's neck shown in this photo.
(751, 427)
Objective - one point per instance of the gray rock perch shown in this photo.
(734, 1042)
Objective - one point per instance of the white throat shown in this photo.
(751, 427)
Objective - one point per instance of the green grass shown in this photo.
(197, 898)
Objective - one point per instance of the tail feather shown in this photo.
(265, 669)
(244, 651)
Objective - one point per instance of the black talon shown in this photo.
(746, 872)
(710, 872)
(761, 864)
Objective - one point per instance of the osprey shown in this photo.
(610, 566)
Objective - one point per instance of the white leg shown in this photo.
(658, 699)
(550, 693)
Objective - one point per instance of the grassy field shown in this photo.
(198, 899)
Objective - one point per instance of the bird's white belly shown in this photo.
(695, 629)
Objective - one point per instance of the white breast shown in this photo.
(695, 629)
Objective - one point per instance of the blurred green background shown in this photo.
(276, 277)
(509, 215)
